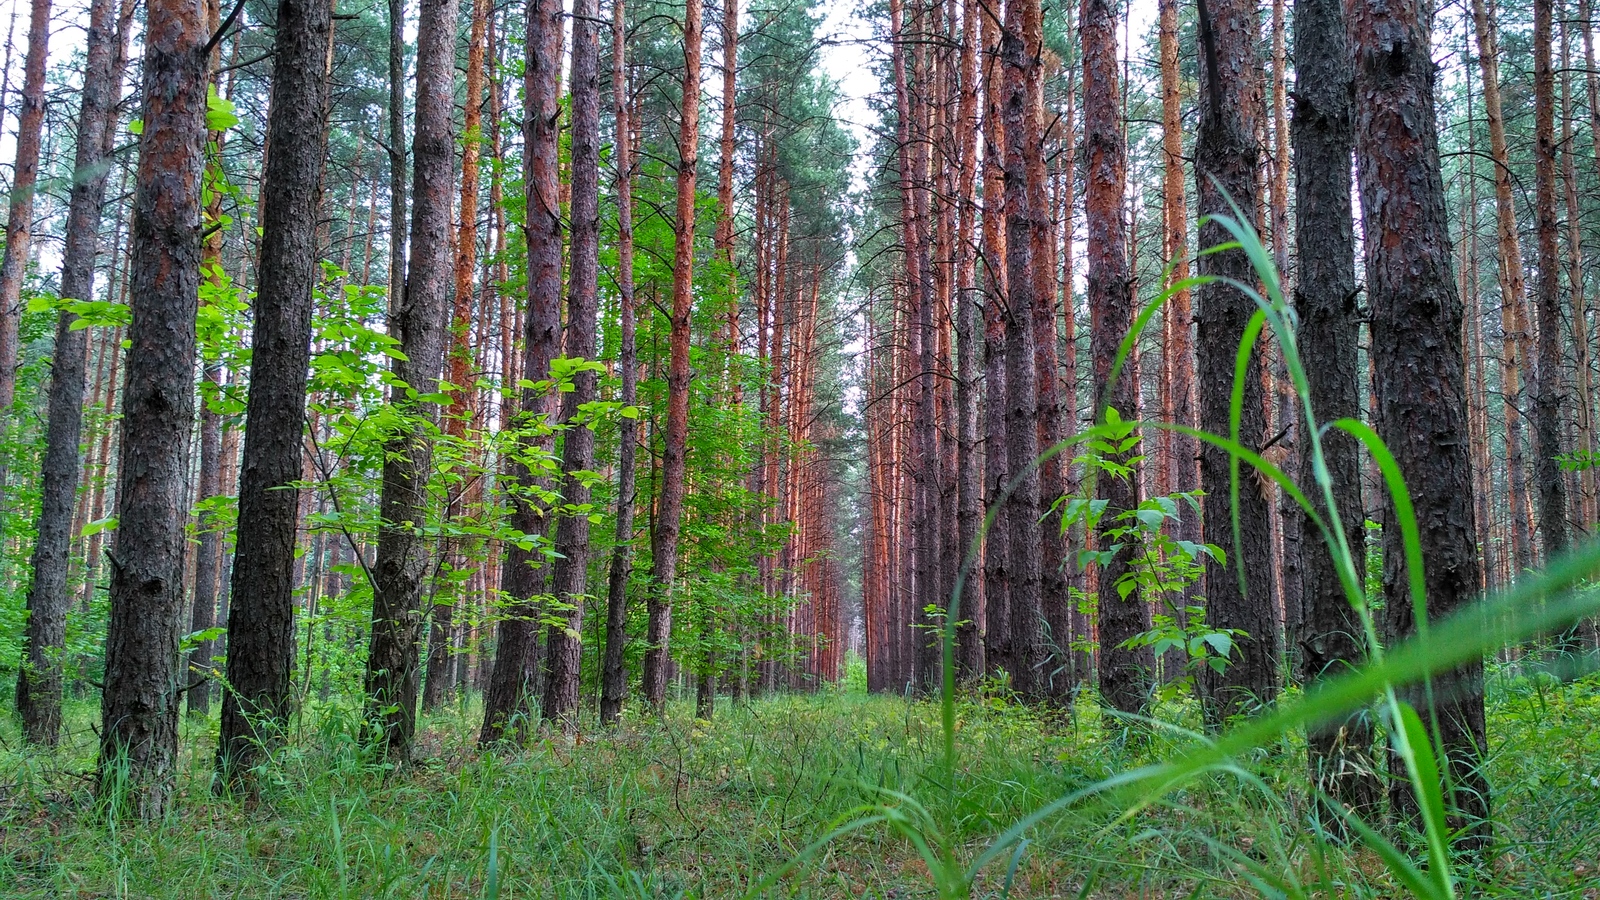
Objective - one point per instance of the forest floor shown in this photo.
(687, 808)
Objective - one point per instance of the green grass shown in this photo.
(680, 808)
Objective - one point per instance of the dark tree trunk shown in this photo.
(509, 702)
(1018, 52)
(1550, 395)
(139, 704)
(1125, 674)
(1417, 369)
(669, 518)
(968, 301)
(1331, 635)
(1238, 593)
(261, 620)
(572, 532)
(419, 318)
(997, 468)
(614, 683)
(39, 677)
(208, 551)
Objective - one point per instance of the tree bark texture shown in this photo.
(393, 662)
(1239, 592)
(1126, 674)
(669, 517)
(139, 703)
(261, 619)
(1417, 369)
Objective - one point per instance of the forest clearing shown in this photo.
(928, 448)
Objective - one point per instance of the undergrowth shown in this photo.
(683, 808)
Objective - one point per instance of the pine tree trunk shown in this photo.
(572, 531)
(997, 468)
(436, 688)
(1183, 475)
(139, 703)
(393, 663)
(1418, 384)
(1583, 403)
(969, 488)
(1239, 592)
(614, 684)
(1550, 385)
(509, 703)
(1330, 640)
(19, 220)
(397, 152)
(261, 621)
(39, 677)
(1125, 673)
(1513, 297)
(669, 518)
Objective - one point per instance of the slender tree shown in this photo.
(669, 515)
(572, 531)
(1125, 673)
(19, 219)
(1018, 53)
(968, 303)
(139, 703)
(1238, 593)
(39, 677)
(997, 553)
(419, 318)
(1513, 294)
(1325, 298)
(508, 702)
(1550, 393)
(261, 617)
(462, 407)
(614, 677)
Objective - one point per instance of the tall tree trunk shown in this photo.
(997, 468)
(139, 703)
(1019, 43)
(208, 553)
(516, 659)
(261, 620)
(1238, 593)
(19, 220)
(1125, 673)
(1513, 297)
(1583, 404)
(1330, 643)
(1416, 354)
(397, 152)
(1550, 387)
(669, 518)
(1183, 474)
(403, 553)
(1055, 599)
(572, 531)
(614, 677)
(436, 688)
(969, 488)
(39, 677)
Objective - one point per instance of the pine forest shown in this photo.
(799, 448)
